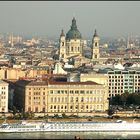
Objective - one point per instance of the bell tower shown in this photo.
(62, 48)
(95, 46)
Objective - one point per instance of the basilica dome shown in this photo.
(73, 33)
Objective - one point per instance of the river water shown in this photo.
(71, 135)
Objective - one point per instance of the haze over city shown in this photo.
(46, 18)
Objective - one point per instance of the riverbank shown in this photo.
(95, 119)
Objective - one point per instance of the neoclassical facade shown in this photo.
(61, 97)
(72, 44)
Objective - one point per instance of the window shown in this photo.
(82, 99)
(55, 99)
(29, 109)
(62, 107)
(82, 91)
(62, 99)
(76, 99)
(65, 99)
(72, 48)
(78, 49)
(51, 99)
(36, 109)
(71, 99)
(51, 107)
(43, 109)
(71, 91)
(62, 43)
(95, 44)
(58, 99)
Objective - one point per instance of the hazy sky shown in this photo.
(46, 18)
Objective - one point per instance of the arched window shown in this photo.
(62, 99)
(29, 109)
(43, 109)
(62, 43)
(58, 99)
(72, 48)
(51, 99)
(96, 44)
(76, 99)
(78, 49)
(51, 107)
(55, 99)
(36, 109)
(82, 99)
(61, 106)
(54, 106)
(71, 99)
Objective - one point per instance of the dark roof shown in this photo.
(73, 33)
(62, 33)
(52, 82)
(95, 34)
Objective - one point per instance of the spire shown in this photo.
(73, 26)
(62, 33)
(95, 33)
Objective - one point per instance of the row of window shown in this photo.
(37, 88)
(121, 76)
(3, 87)
(77, 91)
(76, 99)
(59, 108)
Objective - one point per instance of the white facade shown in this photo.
(3, 96)
(95, 46)
(58, 69)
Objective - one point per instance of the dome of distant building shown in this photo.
(73, 33)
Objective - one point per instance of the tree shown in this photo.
(124, 97)
(64, 115)
(14, 111)
(110, 112)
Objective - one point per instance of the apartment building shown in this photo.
(121, 81)
(117, 81)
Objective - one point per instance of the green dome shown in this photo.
(73, 33)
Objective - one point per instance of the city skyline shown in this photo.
(111, 19)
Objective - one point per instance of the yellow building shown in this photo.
(60, 97)
(16, 73)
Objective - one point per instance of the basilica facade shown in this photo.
(71, 44)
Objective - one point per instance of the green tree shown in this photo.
(64, 115)
(14, 111)
(124, 97)
(110, 112)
